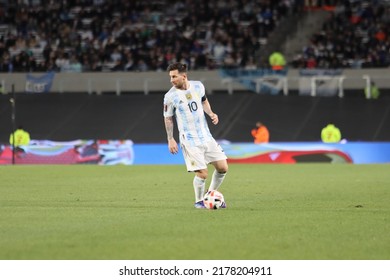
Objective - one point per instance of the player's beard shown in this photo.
(180, 85)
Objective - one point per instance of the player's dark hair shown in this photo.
(181, 67)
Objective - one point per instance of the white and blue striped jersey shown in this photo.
(186, 106)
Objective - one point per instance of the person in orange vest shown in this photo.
(260, 133)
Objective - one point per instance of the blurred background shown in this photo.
(96, 69)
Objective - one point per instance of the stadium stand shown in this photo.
(356, 35)
(99, 35)
(108, 36)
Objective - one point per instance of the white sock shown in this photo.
(216, 180)
(199, 185)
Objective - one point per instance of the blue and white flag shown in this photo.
(261, 80)
(39, 84)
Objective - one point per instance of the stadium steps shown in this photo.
(302, 28)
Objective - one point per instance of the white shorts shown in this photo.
(197, 158)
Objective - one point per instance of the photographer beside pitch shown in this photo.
(187, 101)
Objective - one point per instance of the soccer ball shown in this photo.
(213, 200)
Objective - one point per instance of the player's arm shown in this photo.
(209, 111)
(172, 144)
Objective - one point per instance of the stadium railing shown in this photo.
(157, 82)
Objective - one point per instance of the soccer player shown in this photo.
(187, 101)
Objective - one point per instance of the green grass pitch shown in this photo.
(275, 212)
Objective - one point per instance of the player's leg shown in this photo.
(216, 156)
(221, 168)
(199, 184)
(195, 162)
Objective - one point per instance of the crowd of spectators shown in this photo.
(355, 36)
(122, 35)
